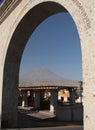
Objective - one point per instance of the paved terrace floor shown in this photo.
(52, 128)
(29, 119)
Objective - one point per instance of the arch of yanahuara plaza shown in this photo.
(18, 19)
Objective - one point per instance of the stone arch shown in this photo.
(15, 49)
(13, 56)
(14, 45)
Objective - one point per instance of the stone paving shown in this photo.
(52, 128)
(30, 118)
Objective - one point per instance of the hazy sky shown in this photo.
(54, 45)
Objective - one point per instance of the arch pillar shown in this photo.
(10, 98)
(24, 98)
(37, 100)
(53, 100)
(72, 96)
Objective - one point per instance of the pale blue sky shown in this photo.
(54, 45)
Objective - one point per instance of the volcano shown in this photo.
(44, 77)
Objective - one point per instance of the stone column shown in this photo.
(72, 96)
(31, 94)
(42, 93)
(37, 100)
(79, 94)
(53, 100)
(24, 100)
(31, 98)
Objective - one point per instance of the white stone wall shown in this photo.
(83, 13)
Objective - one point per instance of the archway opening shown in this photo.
(12, 63)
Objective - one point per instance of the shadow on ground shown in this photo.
(30, 118)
